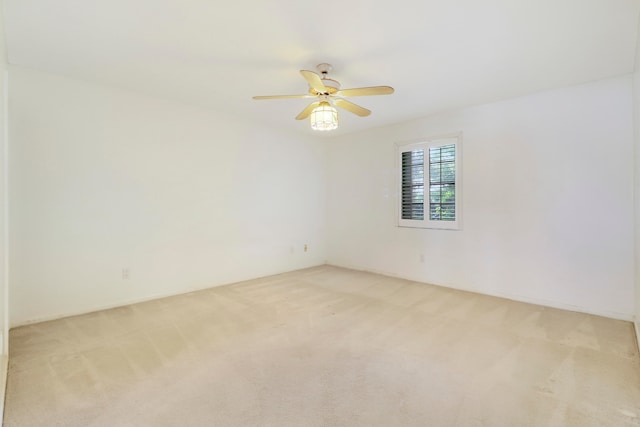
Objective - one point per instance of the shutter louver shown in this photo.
(413, 184)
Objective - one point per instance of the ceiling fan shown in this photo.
(323, 114)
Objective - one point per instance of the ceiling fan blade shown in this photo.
(350, 106)
(314, 81)
(283, 96)
(307, 111)
(366, 91)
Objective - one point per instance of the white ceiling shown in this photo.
(437, 54)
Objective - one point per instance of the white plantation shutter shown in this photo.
(429, 184)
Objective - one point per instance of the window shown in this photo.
(430, 183)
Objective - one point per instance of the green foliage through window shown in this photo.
(442, 183)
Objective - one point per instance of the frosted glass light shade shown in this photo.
(324, 117)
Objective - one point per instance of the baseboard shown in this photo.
(4, 370)
(612, 315)
(637, 328)
(545, 303)
(147, 298)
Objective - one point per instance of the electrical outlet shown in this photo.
(422, 258)
(125, 273)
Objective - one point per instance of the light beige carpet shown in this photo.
(325, 347)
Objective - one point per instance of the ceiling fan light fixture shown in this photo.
(324, 117)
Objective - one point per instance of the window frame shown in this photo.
(425, 144)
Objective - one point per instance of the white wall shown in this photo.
(547, 201)
(4, 297)
(636, 126)
(4, 200)
(186, 198)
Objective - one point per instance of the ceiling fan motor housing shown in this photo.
(332, 86)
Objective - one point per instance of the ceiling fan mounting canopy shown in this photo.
(324, 68)
(329, 91)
